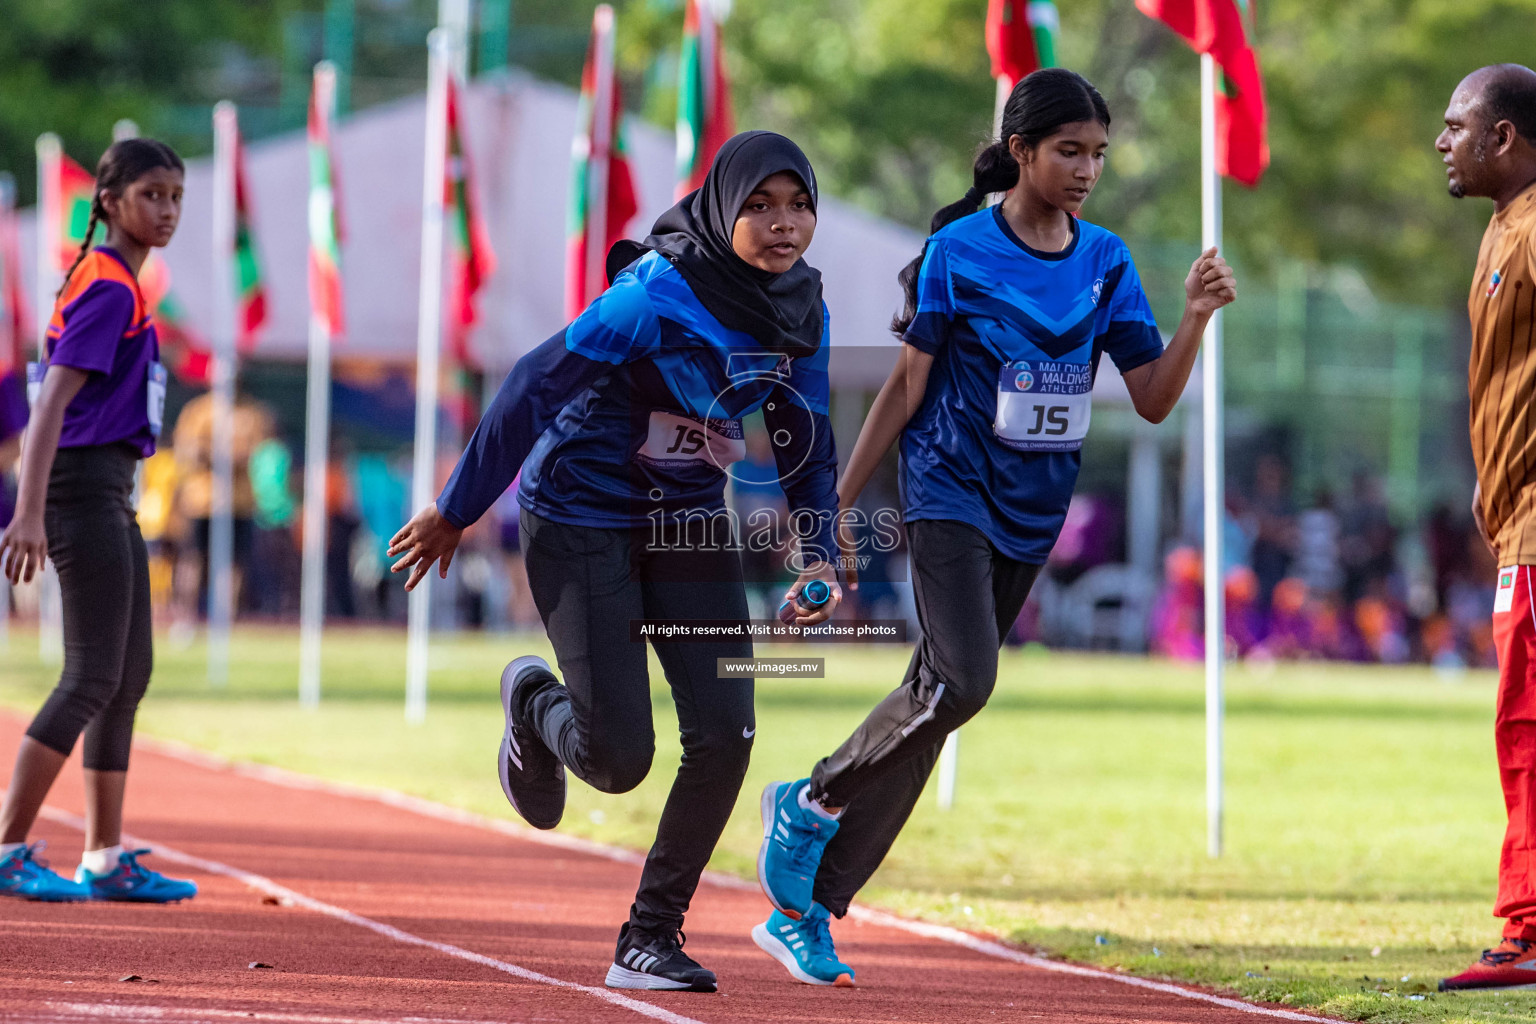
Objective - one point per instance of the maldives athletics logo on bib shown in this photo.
(1024, 381)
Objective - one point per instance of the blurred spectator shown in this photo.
(1088, 537)
(1368, 537)
(521, 613)
(381, 493)
(1178, 618)
(341, 529)
(1274, 517)
(162, 525)
(274, 571)
(1245, 623)
(192, 442)
(1317, 546)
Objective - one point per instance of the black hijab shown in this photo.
(782, 311)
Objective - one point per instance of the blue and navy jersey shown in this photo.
(1016, 335)
(637, 406)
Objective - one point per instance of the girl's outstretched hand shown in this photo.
(23, 549)
(1210, 284)
(426, 539)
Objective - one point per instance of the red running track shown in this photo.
(372, 908)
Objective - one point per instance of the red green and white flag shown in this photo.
(183, 351)
(1220, 28)
(250, 290)
(68, 207)
(14, 328)
(471, 258)
(325, 226)
(704, 118)
(1021, 38)
(602, 188)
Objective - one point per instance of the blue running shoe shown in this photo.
(793, 840)
(23, 875)
(131, 882)
(804, 947)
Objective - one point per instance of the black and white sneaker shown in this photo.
(643, 960)
(532, 777)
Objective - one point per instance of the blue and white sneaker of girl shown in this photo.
(26, 877)
(793, 840)
(131, 882)
(804, 947)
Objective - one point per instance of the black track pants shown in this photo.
(968, 596)
(95, 544)
(589, 584)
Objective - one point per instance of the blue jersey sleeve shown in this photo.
(929, 329)
(533, 394)
(807, 460)
(1126, 328)
(618, 327)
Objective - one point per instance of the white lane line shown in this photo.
(282, 892)
(959, 938)
(68, 1013)
(443, 812)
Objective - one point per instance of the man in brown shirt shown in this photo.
(1489, 148)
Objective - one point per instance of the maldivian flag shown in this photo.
(183, 352)
(1021, 37)
(472, 260)
(69, 201)
(325, 227)
(13, 324)
(704, 118)
(14, 330)
(251, 293)
(602, 188)
(1218, 27)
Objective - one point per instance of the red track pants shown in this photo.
(1514, 633)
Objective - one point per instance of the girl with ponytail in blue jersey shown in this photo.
(623, 424)
(1008, 312)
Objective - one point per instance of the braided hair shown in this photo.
(124, 163)
(1041, 104)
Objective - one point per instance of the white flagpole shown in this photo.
(221, 532)
(429, 334)
(1215, 482)
(453, 17)
(316, 453)
(602, 147)
(50, 609)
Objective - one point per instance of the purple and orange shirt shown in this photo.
(102, 325)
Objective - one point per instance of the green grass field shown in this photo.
(1364, 811)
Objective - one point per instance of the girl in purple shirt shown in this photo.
(98, 399)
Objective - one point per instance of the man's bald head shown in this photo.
(1489, 141)
(1504, 92)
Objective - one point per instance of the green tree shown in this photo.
(77, 66)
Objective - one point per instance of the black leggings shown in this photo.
(589, 585)
(968, 595)
(95, 544)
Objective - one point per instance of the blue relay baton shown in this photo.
(811, 597)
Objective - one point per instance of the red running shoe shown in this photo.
(1510, 964)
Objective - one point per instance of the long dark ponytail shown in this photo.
(1039, 106)
(124, 163)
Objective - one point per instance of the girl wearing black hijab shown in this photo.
(623, 425)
